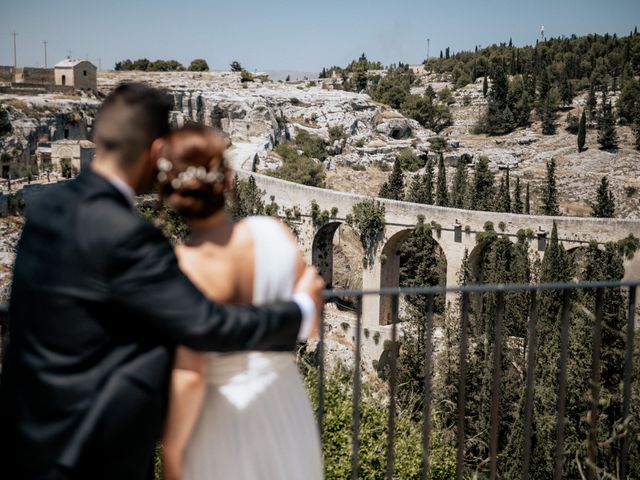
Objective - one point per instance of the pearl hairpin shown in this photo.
(201, 173)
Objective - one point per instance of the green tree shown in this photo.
(503, 201)
(459, 187)
(605, 205)
(367, 220)
(592, 102)
(629, 102)
(442, 196)
(199, 65)
(421, 263)
(518, 205)
(556, 267)
(393, 188)
(485, 86)
(550, 205)
(246, 198)
(482, 196)
(582, 131)
(421, 188)
(607, 135)
(527, 201)
(236, 67)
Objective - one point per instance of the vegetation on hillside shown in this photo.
(302, 160)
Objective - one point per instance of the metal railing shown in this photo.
(465, 294)
(497, 345)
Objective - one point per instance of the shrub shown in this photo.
(298, 168)
(376, 337)
(318, 217)
(367, 219)
(630, 191)
(336, 437)
(573, 123)
(409, 160)
(246, 76)
(336, 133)
(199, 65)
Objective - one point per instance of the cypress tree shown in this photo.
(592, 102)
(582, 131)
(503, 202)
(442, 196)
(482, 197)
(604, 206)
(485, 86)
(393, 188)
(518, 206)
(607, 135)
(550, 205)
(459, 187)
(555, 267)
(527, 201)
(421, 190)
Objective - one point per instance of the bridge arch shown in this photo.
(322, 250)
(390, 270)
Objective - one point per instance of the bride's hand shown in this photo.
(312, 284)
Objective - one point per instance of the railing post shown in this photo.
(495, 387)
(595, 388)
(321, 376)
(562, 382)
(462, 382)
(393, 371)
(531, 366)
(426, 416)
(626, 389)
(355, 420)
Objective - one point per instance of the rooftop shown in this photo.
(70, 62)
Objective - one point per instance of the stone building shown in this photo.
(79, 152)
(77, 73)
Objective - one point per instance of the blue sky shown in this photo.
(282, 34)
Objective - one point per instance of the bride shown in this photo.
(240, 416)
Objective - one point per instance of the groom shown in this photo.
(98, 305)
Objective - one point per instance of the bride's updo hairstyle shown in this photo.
(192, 171)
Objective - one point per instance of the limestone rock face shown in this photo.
(259, 115)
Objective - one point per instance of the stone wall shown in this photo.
(31, 75)
(6, 73)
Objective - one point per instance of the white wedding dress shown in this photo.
(256, 422)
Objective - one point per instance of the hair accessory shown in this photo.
(164, 164)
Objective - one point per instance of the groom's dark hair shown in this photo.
(130, 119)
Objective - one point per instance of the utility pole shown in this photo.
(45, 53)
(15, 56)
(428, 44)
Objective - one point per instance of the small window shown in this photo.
(84, 72)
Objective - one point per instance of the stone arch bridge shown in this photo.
(457, 234)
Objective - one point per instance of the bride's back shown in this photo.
(251, 261)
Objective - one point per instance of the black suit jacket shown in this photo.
(98, 304)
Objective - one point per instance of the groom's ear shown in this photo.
(155, 152)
